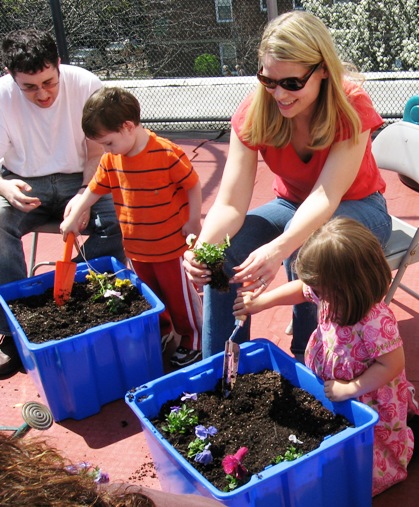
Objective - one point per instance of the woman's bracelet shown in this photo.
(83, 187)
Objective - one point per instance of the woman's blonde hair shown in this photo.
(301, 37)
(344, 261)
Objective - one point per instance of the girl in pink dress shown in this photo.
(356, 349)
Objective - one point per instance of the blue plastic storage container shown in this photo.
(338, 473)
(75, 376)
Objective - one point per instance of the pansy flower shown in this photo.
(203, 433)
(188, 396)
(204, 457)
(232, 464)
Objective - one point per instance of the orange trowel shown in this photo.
(64, 273)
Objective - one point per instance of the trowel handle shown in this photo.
(238, 323)
(240, 320)
(68, 247)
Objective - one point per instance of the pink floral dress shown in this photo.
(344, 353)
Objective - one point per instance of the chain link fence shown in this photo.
(191, 62)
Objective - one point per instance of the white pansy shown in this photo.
(190, 240)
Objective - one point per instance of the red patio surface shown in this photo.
(113, 438)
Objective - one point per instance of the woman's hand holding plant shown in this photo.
(208, 257)
(259, 269)
(196, 271)
(256, 272)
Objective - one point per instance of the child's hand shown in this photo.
(69, 225)
(338, 390)
(244, 304)
(191, 227)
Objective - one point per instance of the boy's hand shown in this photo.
(83, 219)
(71, 225)
(191, 227)
(65, 228)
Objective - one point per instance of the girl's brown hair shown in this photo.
(33, 474)
(344, 261)
(301, 37)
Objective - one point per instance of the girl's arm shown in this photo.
(382, 371)
(193, 225)
(227, 214)
(338, 174)
(73, 222)
(290, 293)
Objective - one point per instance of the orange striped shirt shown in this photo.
(150, 196)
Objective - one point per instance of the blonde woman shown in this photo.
(312, 124)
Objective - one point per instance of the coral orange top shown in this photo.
(294, 178)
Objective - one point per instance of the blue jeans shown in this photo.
(261, 226)
(54, 191)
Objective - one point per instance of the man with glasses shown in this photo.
(47, 160)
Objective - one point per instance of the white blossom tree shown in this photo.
(375, 35)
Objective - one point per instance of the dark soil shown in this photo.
(219, 280)
(262, 411)
(42, 320)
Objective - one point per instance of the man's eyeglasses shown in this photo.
(33, 88)
(292, 84)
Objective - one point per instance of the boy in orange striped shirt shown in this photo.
(157, 197)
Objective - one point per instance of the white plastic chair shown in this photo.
(396, 148)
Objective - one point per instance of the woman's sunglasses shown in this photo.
(292, 84)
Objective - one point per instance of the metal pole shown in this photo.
(272, 6)
(57, 18)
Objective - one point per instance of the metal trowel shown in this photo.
(231, 359)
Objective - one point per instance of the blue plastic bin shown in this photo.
(77, 375)
(339, 472)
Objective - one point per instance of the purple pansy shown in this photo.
(100, 477)
(204, 457)
(203, 433)
(188, 396)
(97, 475)
(110, 292)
